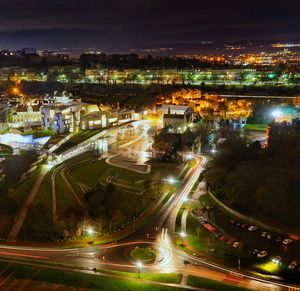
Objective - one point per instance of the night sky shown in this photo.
(122, 24)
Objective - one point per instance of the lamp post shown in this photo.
(90, 231)
(139, 265)
(182, 235)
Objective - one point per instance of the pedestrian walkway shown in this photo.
(23, 213)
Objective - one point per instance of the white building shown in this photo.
(176, 109)
(64, 114)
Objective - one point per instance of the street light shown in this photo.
(189, 156)
(185, 199)
(139, 265)
(182, 235)
(90, 231)
(171, 180)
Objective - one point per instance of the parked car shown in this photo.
(252, 228)
(278, 239)
(277, 260)
(238, 223)
(245, 225)
(270, 236)
(293, 265)
(264, 234)
(217, 234)
(231, 241)
(287, 241)
(236, 244)
(232, 221)
(262, 254)
(255, 252)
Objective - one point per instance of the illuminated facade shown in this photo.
(26, 114)
(107, 118)
(63, 114)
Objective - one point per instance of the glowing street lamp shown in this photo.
(90, 231)
(189, 156)
(171, 180)
(183, 236)
(185, 199)
(139, 265)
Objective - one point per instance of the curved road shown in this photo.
(158, 232)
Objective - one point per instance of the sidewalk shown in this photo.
(23, 213)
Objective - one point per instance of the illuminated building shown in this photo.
(107, 118)
(62, 113)
(26, 115)
(176, 116)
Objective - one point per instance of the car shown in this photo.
(278, 239)
(270, 236)
(217, 234)
(264, 234)
(232, 221)
(287, 241)
(230, 241)
(236, 244)
(277, 260)
(255, 252)
(262, 254)
(238, 223)
(252, 228)
(245, 225)
(293, 265)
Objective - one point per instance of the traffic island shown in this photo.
(146, 255)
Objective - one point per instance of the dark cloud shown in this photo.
(112, 24)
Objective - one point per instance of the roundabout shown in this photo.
(145, 255)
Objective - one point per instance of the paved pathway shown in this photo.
(23, 213)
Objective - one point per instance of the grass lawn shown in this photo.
(206, 201)
(84, 281)
(56, 138)
(44, 194)
(64, 198)
(164, 277)
(5, 149)
(99, 170)
(212, 285)
(40, 133)
(23, 189)
(90, 173)
(143, 254)
(76, 139)
(258, 127)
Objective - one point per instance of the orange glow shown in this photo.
(16, 90)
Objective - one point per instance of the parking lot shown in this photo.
(258, 242)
